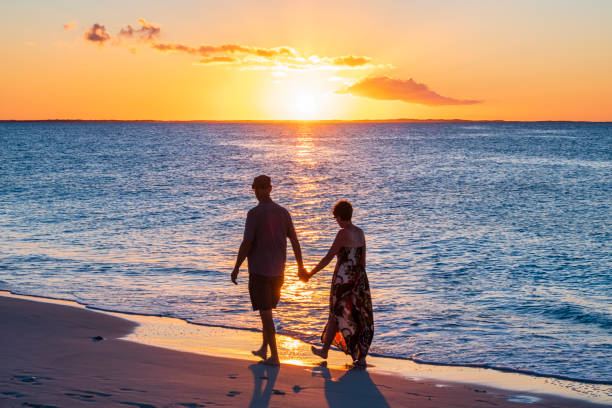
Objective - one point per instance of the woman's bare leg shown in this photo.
(330, 333)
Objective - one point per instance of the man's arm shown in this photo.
(297, 250)
(245, 247)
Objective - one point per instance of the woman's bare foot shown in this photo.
(360, 363)
(318, 352)
(271, 362)
(261, 353)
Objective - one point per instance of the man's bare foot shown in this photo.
(261, 353)
(271, 362)
(318, 352)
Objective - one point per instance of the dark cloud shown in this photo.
(97, 34)
(386, 88)
(146, 32)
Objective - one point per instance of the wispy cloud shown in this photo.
(207, 50)
(386, 88)
(239, 56)
(217, 60)
(146, 31)
(70, 26)
(277, 58)
(97, 34)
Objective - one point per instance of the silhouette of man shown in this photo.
(268, 225)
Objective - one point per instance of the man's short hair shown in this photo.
(261, 181)
(344, 210)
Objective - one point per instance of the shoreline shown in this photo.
(175, 335)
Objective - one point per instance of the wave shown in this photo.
(570, 312)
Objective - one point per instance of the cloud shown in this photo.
(146, 32)
(351, 61)
(207, 50)
(278, 58)
(97, 34)
(217, 60)
(70, 26)
(246, 57)
(386, 88)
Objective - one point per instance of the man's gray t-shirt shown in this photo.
(267, 226)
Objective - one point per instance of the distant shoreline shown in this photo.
(294, 121)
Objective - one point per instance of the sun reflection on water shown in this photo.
(305, 146)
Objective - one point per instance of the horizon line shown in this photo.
(398, 120)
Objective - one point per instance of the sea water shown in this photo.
(488, 244)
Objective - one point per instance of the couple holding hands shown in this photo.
(350, 325)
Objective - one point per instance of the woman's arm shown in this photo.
(363, 256)
(333, 250)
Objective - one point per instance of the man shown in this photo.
(268, 225)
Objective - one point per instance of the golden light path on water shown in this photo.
(176, 334)
(306, 192)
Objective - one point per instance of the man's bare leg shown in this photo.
(330, 333)
(269, 336)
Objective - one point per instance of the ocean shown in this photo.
(489, 243)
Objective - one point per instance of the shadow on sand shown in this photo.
(261, 395)
(354, 389)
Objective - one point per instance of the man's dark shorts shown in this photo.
(264, 291)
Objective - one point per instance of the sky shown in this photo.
(306, 60)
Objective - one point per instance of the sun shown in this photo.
(305, 105)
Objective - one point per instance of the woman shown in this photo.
(350, 325)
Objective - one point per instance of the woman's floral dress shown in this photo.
(350, 303)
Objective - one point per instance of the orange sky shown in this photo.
(247, 60)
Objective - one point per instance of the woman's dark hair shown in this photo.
(343, 209)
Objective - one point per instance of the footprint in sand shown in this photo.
(298, 388)
(85, 395)
(31, 379)
(98, 394)
(132, 389)
(12, 394)
(82, 397)
(137, 404)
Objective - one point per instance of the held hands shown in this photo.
(303, 274)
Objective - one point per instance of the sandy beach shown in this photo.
(52, 356)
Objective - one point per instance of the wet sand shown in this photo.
(52, 356)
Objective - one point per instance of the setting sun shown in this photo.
(305, 105)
